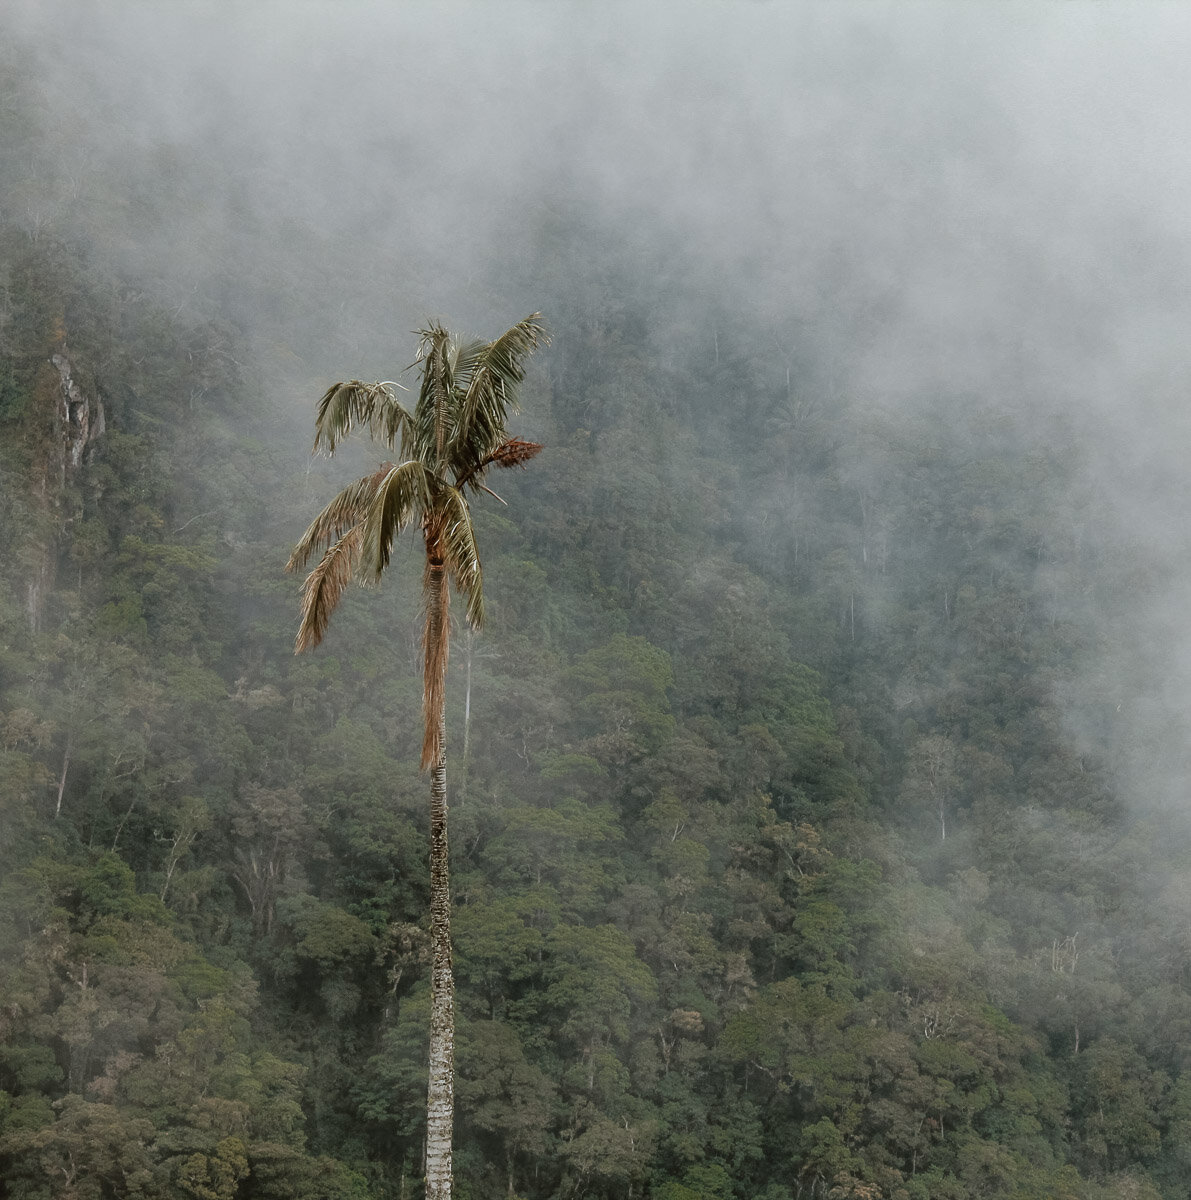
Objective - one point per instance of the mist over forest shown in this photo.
(818, 782)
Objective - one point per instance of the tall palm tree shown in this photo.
(445, 446)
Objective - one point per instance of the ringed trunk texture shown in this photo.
(440, 1099)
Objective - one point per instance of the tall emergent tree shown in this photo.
(455, 432)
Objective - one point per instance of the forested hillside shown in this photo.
(817, 795)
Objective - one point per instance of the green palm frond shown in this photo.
(461, 554)
(347, 509)
(403, 495)
(346, 406)
(491, 390)
(324, 588)
(434, 411)
(467, 355)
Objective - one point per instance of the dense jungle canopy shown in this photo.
(818, 785)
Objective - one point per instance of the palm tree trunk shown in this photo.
(440, 1099)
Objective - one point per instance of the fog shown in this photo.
(831, 708)
(989, 203)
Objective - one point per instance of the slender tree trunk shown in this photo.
(440, 1098)
(62, 777)
(440, 1101)
(467, 700)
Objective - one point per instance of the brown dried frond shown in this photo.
(324, 587)
(436, 642)
(462, 558)
(516, 452)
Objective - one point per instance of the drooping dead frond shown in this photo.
(436, 642)
(349, 508)
(324, 587)
(461, 555)
(373, 406)
(401, 496)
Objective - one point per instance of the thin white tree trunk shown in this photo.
(467, 702)
(461, 786)
(62, 777)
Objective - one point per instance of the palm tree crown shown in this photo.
(455, 432)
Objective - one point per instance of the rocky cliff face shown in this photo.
(78, 421)
(81, 417)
